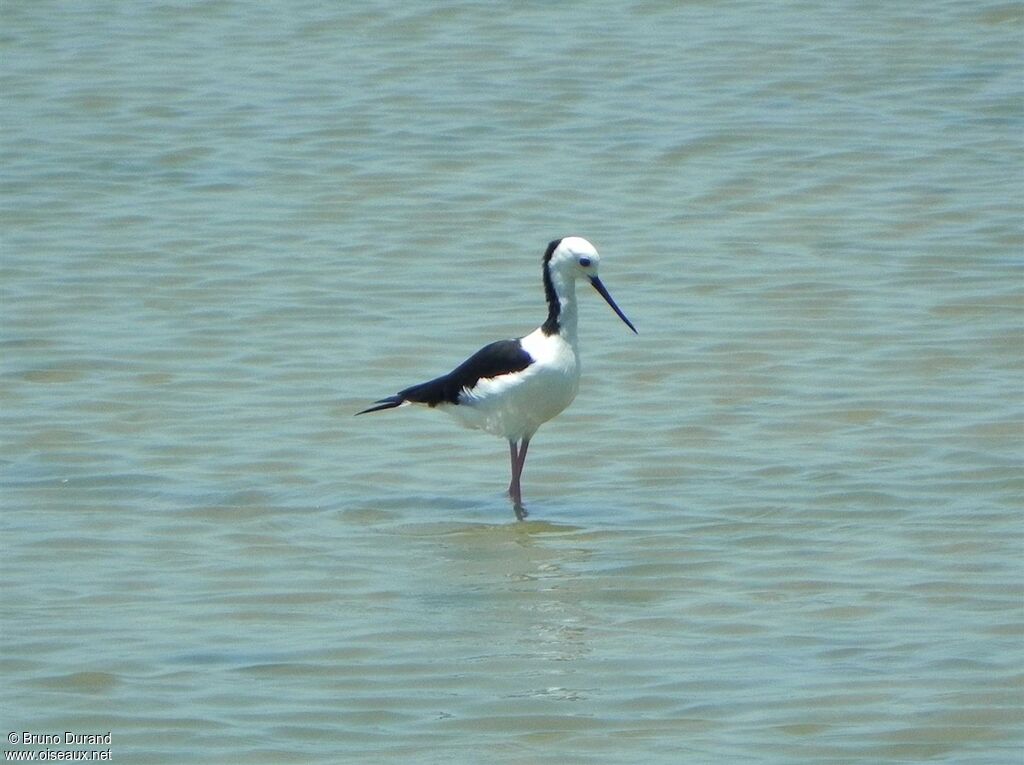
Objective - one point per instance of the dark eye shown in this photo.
(585, 262)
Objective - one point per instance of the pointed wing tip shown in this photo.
(385, 403)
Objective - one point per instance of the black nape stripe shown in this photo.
(552, 246)
(550, 325)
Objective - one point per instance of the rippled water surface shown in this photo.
(782, 524)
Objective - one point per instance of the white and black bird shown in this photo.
(512, 387)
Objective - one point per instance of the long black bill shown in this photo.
(608, 298)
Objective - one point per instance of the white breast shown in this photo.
(515, 405)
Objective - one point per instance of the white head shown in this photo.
(569, 259)
(573, 256)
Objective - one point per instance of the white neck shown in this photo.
(565, 292)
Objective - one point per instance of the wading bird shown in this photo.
(512, 387)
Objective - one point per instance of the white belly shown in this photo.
(514, 406)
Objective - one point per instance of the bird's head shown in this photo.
(573, 257)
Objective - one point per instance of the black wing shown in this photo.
(499, 358)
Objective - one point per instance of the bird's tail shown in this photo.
(433, 392)
(385, 403)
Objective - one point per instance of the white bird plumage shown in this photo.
(511, 387)
(515, 405)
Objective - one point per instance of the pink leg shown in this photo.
(523, 446)
(518, 456)
(513, 453)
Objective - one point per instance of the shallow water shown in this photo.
(782, 524)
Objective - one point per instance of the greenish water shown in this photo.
(782, 524)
